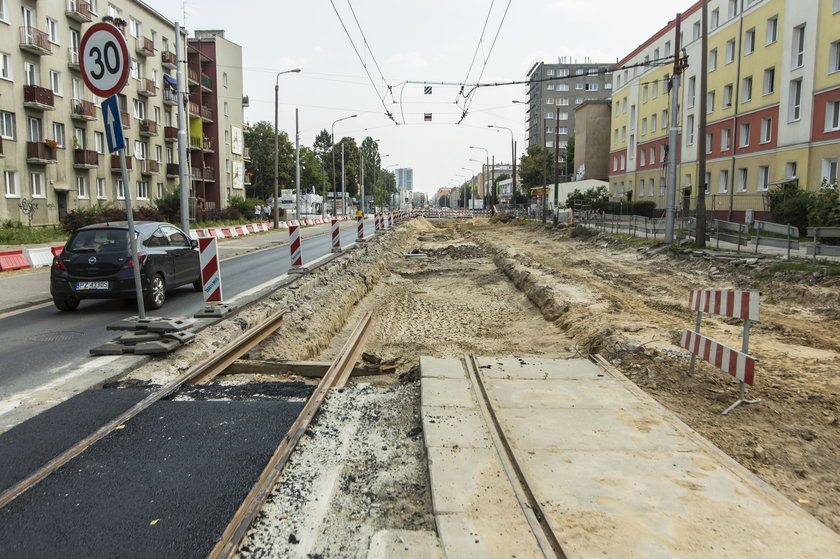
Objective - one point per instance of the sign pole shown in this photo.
(132, 238)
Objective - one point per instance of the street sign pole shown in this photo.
(138, 284)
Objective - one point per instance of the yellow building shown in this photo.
(773, 105)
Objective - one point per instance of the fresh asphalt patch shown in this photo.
(164, 485)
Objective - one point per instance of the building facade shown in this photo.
(592, 141)
(554, 90)
(773, 105)
(54, 157)
(405, 178)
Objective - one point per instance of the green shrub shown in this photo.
(645, 208)
(790, 205)
(825, 206)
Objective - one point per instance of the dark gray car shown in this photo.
(96, 263)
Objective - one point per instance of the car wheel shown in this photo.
(66, 304)
(198, 285)
(157, 293)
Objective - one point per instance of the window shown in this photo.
(833, 57)
(549, 143)
(832, 115)
(563, 73)
(134, 27)
(725, 139)
(7, 125)
(31, 74)
(139, 109)
(549, 116)
(829, 169)
(654, 90)
(715, 19)
(55, 82)
(632, 117)
(170, 154)
(134, 69)
(623, 162)
(157, 115)
(772, 30)
(742, 180)
(79, 139)
(769, 81)
(632, 148)
(650, 187)
(140, 150)
(733, 9)
(4, 11)
(708, 182)
(766, 130)
(561, 87)
(548, 101)
(690, 92)
(687, 181)
(227, 137)
(641, 187)
(710, 102)
(158, 153)
(36, 185)
(746, 89)
(798, 53)
(763, 178)
(99, 142)
(795, 111)
(10, 178)
(790, 169)
(749, 41)
(624, 106)
(563, 116)
(34, 132)
(100, 188)
(590, 87)
(58, 134)
(81, 187)
(644, 127)
(723, 181)
(623, 133)
(5, 65)
(549, 130)
(642, 158)
(727, 96)
(652, 123)
(695, 31)
(667, 48)
(836, 7)
(563, 130)
(712, 59)
(578, 86)
(52, 30)
(730, 51)
(709, 139)
(142, 190)
(615, 136)
(744, 134)
(662, 186)
(689, 130)
(665, 119)
(652, 157)
(562, 101)
(580, 72)
(120, 187)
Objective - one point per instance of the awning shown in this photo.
(783, 181)
(170, 80)
(58, 187)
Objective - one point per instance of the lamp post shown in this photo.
(275, 204)
(487, 154)
(461, 186)
(474, 189)
(393, 194)
(512, 152)
(332, 139)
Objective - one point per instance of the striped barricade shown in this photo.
(336, 236)
(294, 246)
(211, 277)
(729, 303)
(360, 227)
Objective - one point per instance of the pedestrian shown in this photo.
(257, 212)
(267, 211)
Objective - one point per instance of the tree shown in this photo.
(594, 198)
(351, 166)
(312, 173)
(372, 159)
(259, 139)
(570, 159)
(535, 166)
(322, 148)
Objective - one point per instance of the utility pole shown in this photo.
(700, 210)
(362, 163)
(297, 167)
(556, 164)
(673, 148)
(343, 186)
(493, 187)
(182, 133)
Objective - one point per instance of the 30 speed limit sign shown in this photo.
(104, 59)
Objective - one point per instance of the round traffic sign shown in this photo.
(104, 59)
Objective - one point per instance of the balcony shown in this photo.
(148, 128)
(73, 59)
(206, 82)
(83, 110)
(147, 87)
(194, 109)
(40, 153)
(85, 159)
(246, 154)
(78, 10)
(144, 46)
(170, 96)
(192, 77)
(208, 145)
(126, 119)
(168, 60)
(115, 163)
(248, 178)
(40, 98)
(206, 114)
(246, 102)
(209, 174)
(172, 170)
(195, 142)
(170, 133)
(34, 40)
(2, 155)
(149, 167)
(195, 173)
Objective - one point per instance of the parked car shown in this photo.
(96, 263)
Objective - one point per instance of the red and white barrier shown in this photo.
(294, 246)
(734, 304)
(739, 365)
(211, 278)
(38, 257)
(376, 222)
(360, 226)
(12, 260)
(336, 236)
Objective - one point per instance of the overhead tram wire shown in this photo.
(477, 46)
(356, 50)
(367, 45)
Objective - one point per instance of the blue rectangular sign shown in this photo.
(113, 124)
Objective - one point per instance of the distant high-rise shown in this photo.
(405, 179)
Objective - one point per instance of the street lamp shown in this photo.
(335, 187)
(474, 189)
(275, 205)
(487, 154)
(512, 151)
(395, 186)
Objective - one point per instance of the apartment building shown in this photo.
(773, 105)
(554, 90)
(216, 119)
(54, 157)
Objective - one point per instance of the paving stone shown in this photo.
(434, 367)
(447, 392)
(454, 427)
(538, 368)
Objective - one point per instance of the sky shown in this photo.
(408, 43)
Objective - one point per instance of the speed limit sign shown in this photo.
(104, 59)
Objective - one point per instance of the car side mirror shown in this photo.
(193, 243)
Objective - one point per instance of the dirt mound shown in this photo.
(458, 252)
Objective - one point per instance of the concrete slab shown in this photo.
(461, 477)
(447, 392)
(435, 367)
(406, 544)
(487, 535)
(539, 368)
(454, 428)
(598, 394)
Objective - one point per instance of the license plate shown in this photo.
(91, 285)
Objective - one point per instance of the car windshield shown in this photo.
(100, 240)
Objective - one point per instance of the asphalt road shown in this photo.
(40, 345)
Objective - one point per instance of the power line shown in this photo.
(367, 45)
